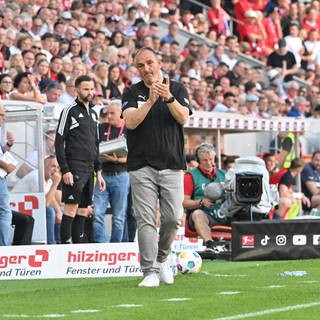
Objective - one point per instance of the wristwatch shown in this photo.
(170, 100)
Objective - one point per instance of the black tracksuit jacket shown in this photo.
(77, 140)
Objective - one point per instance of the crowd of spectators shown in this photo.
(47, 44)
(58, 41)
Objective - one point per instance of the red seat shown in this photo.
(218, 233)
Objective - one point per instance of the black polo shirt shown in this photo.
(158, 141)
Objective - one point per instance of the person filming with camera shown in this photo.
(203, 213)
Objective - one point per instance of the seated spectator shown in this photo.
(25, 88)
(310, 180)
(237, 74)
(287, 197)
(41, 70)
(228, 163)
(299, 110)
(251, 104)
(228, 104)
(31, 161)
(315, 113)
(216, 57)
(263, 108)
(52, 177)
(6, 85)
(69, 95)
(173, 30)
(74, 49)
(115, 85)
(16, 61)
(203, 213)
(271, 164)
(200, 101)
(191, 161)
(292, 91)
(186, 20)
(231, 57)
(201, 25)
(55, 71)
(53, 91)
(28, 59)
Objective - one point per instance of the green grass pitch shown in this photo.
(222, 290)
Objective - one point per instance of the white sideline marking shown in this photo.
(33, 316)
(15, 316)
(270, 311)
(85, 311)
(228, 292)
(273, 286)
(128, 305)
(51, 316)
(177, 299)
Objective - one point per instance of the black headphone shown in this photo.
(207, 147)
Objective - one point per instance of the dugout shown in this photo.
(235, 134)
(25, 120)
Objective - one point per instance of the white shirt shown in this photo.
(294, 45)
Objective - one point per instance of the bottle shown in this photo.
(173, 263)
(315, 212)
(299, 273)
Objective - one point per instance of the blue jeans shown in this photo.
(5, 215)
(51, 219)
(116, 193)
(130, 223)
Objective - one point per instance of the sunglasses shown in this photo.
(34, 47)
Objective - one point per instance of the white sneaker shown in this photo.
(151, 280)
(166, 274)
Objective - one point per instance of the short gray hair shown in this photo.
(204, 148)
(116, 102)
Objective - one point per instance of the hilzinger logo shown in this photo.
(111, 258)
(34, 260)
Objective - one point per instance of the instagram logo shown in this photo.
(281, 240)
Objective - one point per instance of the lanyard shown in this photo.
(109, 131)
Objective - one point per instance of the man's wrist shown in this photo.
(170, 99)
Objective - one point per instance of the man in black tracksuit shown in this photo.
(77, 149)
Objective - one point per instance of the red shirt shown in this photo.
(275, 178)
(221, 16)
(272, 32)
(240, 7)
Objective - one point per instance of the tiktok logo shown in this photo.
(264, 241)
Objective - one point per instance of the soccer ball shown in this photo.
(189, 262)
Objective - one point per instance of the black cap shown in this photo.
(282, 43)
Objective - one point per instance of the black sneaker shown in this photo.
(210, 247)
